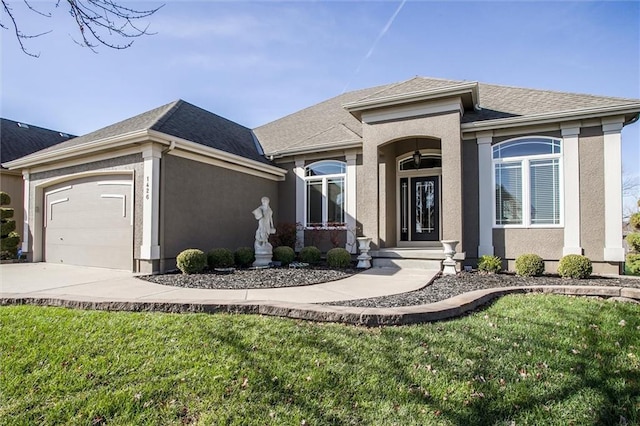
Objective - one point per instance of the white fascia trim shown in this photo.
(423, 95)
(571, 166)
(25, 205)
(315, 148)
(78, 150)
(486, 216)
(298, 171)
(535, 119)
(413, 110)
(241, 163)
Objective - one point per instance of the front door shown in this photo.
(420, 209)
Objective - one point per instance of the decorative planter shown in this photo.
(364, 260)
(448, 264)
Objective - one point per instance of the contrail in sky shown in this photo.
(375, 43)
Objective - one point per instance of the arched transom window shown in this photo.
(528, 182)
(325, 193)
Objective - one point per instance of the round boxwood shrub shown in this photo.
(633, 240)
(284, 254)
(310, 254)
(634, 220)
(575, 266)
(338, 258)
(220, 258)
(191, 261)
(489, 264)
(244, 257)
(633, 263)
(529, 265)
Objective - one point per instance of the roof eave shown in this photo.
(552, 117)
(471, 88)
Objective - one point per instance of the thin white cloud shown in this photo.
(382, 33)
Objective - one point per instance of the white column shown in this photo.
(351, 203)
(571, 189)
(150, 249)
(613, 250)
(298, 172)
(485, 194)
(26, 192)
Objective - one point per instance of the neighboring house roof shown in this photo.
(316, 127)
(19, 139)
(182, 120)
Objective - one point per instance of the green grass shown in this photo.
(528, 359)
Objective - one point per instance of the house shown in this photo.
(503, 170)
(17, 140)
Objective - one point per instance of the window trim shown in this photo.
(525, 164)
(325, 184)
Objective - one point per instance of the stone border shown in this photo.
(370, 317)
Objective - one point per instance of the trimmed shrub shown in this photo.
(633, 240)
(244, 257)
(310, 254)
(220, 258)
(6, 213)
(634, 221)
(338, 257)
(489, 264)
(286, 235)
(529, 265)
(4, 199)
(8, 237)
(633, 263)
(575, 266)
(284, 254)
(191, 261)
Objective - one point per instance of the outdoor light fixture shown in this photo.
(417, 157)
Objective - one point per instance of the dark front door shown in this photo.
(420, 209)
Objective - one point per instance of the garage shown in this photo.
(89, 222)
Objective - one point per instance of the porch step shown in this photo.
(416, 258)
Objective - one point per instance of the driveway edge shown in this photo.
(370, 317)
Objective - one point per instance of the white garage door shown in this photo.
(89, 222)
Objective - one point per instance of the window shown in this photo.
(527, 176)
(428, 161)
(325, 194)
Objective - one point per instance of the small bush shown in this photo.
(244, 257)
(633, 240)
(284, 254)
(489, 264)
(191, 261)
(338, 258)
(634, 221)
(286, 235)
(5, 199)
(575, 266)
(220, 258)
(310, 254)
(529, 265)
(633, 263)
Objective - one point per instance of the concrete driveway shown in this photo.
(66, 282)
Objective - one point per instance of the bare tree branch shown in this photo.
(100, 22)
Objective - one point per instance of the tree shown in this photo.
(100, 22)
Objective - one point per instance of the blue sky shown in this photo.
(253, 62)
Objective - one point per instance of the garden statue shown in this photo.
(263, 249)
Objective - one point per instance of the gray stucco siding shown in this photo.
(205, 206)
(510, 243)
(591, 148)
(286, 207)
(470, 208)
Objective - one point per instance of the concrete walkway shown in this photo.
(94, 288)
(45, 280)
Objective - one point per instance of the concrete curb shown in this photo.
(370, 317)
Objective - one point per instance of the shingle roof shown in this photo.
(19, 139)
(186, 121)
(310, 127)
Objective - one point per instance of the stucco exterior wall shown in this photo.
(204, 206)
(444, 127)
(286, 207)
(591, 147)
(512, 242)
(37, 181)
(12, 184)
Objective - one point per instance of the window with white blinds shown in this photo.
(527, 177)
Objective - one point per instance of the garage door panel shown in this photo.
(89, 222)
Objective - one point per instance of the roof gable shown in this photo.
(18, 139)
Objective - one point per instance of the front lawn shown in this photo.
(528, 359)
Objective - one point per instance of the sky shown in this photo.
(254, 62)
